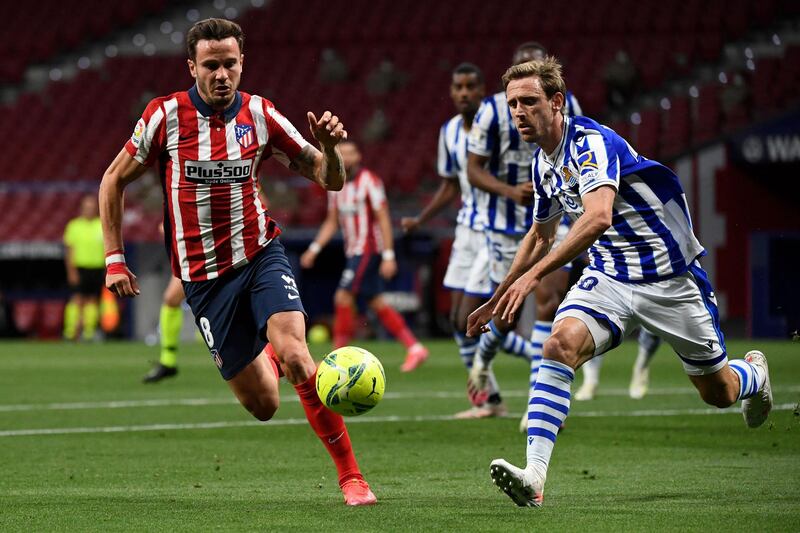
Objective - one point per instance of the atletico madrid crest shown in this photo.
(244, 134)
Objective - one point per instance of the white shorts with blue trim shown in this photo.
(681, 310)
(468, 268)
(502, 249)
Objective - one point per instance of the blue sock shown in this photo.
(547, 409)
(466, 348)
(490, 342)
(750, 380)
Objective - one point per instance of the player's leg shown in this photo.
(700, 344)
(570, 345)
(344, 320)
(90, 316)
(72, 313)
(640, 377)
(591, 379)
(170, 321)
(395, 324)
(590, 321)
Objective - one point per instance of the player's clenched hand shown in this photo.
(511, 302)
(123, 284)
(478, 320)
(328, 130)
(388, 268)
(409, 224)
(523, 193)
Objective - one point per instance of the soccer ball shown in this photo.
(350, 381)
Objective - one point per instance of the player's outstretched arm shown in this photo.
(483, 179)
(533, 247)
(326, 232)
(122, 171)
(596, 219)
(388, 267)
(447, 192)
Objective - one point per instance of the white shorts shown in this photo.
(681, 310)
(468, 268)
(502, 249)
(561, 232)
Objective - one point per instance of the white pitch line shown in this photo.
(366, 420)
(167, 402)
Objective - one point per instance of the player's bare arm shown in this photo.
(323, 167)
(484, 180)
(388, 267)
(123, 170)
(533, 247)
(595, 220)
(447, 192)
(326, 232)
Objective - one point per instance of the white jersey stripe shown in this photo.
(171, 111)
(144, 148)
(203, 199)
(237, 205)
(262, 136)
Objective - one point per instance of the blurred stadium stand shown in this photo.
(70, 97)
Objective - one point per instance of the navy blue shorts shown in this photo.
(232, 311)
(362, 276)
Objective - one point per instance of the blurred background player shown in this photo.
(499, 162)
(222, 244)
(84, 259)
(362, 211)
(467, 274)
(170, 321)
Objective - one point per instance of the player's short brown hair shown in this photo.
(213, 30)
(548, 70)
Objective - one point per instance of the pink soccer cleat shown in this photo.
(416, 355)
(357, 492)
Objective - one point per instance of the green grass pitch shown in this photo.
(84, 446)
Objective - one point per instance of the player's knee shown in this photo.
(558, 348)
(264, 406)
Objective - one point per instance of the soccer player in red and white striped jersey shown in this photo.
(208, 144)
(361, 210)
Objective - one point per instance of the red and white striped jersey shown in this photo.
(357, 202)
(208, 163)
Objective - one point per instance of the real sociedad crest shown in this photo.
(244, 134)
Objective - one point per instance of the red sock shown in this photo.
(273, 358)
(394, 323)
(343, 326)
(330, 429)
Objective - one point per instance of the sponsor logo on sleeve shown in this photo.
(138, 132)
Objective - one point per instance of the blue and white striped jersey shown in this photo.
(452, 163)
(494, 135)
(651, 236)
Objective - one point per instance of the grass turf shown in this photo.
(661, 463)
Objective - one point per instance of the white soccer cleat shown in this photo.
(487, 410)
(520, 485)
(756, 408)
(640, 381)
(586, 392)
(478, 382)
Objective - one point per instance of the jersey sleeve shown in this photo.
(376, 193)
(545, 208)
(596, 161)
(444, 162)
(483, 134)
(284, 139)
(148, 139)
(69, 234)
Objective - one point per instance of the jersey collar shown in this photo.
(559, 154)
(206, 109)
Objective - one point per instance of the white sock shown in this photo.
(591, 370)
(750, 379)
(489, 343)
(541, 330)
(466, 348)
(516, 344)
(648, 346)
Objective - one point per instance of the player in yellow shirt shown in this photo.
(84, 259)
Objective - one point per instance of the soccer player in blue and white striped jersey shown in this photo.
(644, 270)
(467, 274)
